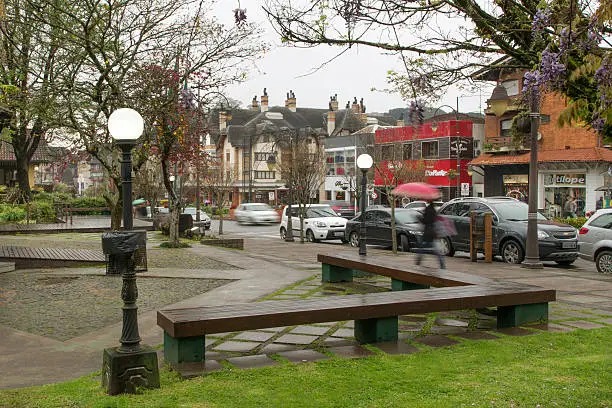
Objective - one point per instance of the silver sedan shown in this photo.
(595, 240)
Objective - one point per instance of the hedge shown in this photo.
(574, 222)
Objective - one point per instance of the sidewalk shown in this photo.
(262, 270)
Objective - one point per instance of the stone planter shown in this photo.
(236, 243)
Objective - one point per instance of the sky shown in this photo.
(304, 71)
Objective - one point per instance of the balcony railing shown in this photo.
(502, 144)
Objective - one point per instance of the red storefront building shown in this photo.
(434, 143)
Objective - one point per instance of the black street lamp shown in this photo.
(131, 365)
(364, 162)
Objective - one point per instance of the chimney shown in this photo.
(264, 101)
(222, 121)
(291, 103)
(255, 104)
(333, 103)
(355, 106)
(331, 122)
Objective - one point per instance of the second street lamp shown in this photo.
(364, 162)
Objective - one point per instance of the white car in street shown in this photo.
(320, 222)
(255, 213)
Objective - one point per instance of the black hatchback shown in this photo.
(378, 228)
(556, 242)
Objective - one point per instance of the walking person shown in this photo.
(599, 204)
(570, 207)
(428, 219)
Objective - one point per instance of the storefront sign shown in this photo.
(516, 179)
(564, 179)
(433, 173)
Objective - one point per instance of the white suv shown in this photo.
(320, 222)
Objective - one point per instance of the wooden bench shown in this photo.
(343, 267)
(375, 314)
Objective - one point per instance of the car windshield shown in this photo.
(315, 212)
(406, 217)
(262, 207)
(515, 211)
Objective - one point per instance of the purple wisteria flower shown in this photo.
(603, 76)
(552, 70)
(532, 83)
(541, 20)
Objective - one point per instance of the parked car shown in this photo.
(204, 218)
(557, 242)
(378, 228)
(343, 208)
(595, 240)
(255, 213)
(320, 222)
(420, 205)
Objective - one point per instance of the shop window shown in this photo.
(340, 196)
(387, 152)
(340, 171)
(506, 126)
(429, 150)
(407, 151)
(328, 195)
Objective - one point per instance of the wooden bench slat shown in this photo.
(238, 317)
(392, 269)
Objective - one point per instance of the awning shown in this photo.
(589, 155)
(604, 188)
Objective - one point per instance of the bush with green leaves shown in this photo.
(42, 211)
(88, 202)
(12, 213)
(574, 222)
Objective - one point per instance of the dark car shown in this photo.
(557, 242)
(378, 228)
(342, 208)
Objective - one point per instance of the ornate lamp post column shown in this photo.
(364, 162)
(131, 365)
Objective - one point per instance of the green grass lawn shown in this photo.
(545, 370)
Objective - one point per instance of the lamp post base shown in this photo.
(531, 263)
(127, 372)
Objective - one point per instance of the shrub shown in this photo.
(574, 222)
(88, 202)
(12, 213)
(42, 211)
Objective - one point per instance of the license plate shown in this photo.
(338, 234)
(569, 245)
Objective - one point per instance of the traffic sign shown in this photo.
(465, 189)
(374, 195)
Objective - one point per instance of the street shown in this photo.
(271, 232)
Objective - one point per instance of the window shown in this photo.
(512, 86)
(340, 196)
(265, 175)
(227, 157)
(462, 209)
(370, 216)
(407, 151)
(387, 152)
(544, 119)
(429, 150)
(383, 217)
(603, 221)
(505, 125)
(448, 210)
(328, 195)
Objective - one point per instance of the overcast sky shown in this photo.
(353, 74)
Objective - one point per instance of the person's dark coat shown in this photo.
(429, 219)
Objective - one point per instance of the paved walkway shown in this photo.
(274, 269)
(90, 223)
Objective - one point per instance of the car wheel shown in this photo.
(354, 239)
(446, 247)
(404, 244)
(310, 236)
(603, 262)
(565, 262)
(283, 233)
(512, 252)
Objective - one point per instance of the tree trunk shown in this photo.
(175, 211)
(23, 179)
(220, 211)
(393, 228)
(115, 204)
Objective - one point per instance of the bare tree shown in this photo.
(302, 168)
(394, 170)
(218, 180)
(148, 182)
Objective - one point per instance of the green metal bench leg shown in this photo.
(376, 330)
(333, 273)
(183, 350)
(514, 316)
(401, 285)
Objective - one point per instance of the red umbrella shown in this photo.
(422, 191)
